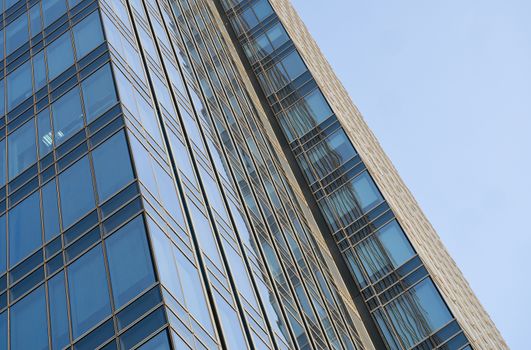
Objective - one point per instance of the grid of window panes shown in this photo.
(238, 263)
(397, 289)
(75, 263)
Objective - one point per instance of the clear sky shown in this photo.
(446, 87)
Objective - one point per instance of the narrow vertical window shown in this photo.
(75, 188)
(130, 264)
(88, 34)
(67, 115)
(22, 149)
(58, 312)
(29, 327)
(99, 93)
(89, 293)
(24, 228)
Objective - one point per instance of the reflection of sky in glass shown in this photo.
(445, 86)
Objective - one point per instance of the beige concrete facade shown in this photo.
(467, 309)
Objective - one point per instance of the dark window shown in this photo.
(3, 245)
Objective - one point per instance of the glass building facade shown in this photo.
(146, 203)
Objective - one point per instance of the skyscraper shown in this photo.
(190, 174)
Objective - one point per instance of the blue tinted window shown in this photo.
(366, 192)
(129, 261)
(77, 195)
(89, 293)
(88, 34)
(99, 93)
(384, 251)
(39, 70)
(167, 268)
(112, 166)
(2, 93)
(418, 313)
(231, 325)
(159, 342)
(50, 210)
(67, 115)
(17, 33)
(35, 19)
(293, 65)
(60, 55)
(24, 228)
(52, 10)
(21, 149)
(3, 244)
(19, 85)
(29, 328)
(58, 312)
(3, 331)
(45, 135)
(3, 162)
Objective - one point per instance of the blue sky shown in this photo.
(446, 87)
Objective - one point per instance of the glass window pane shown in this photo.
(52, 10)
(35, 19)
(366, 192)
(99, 93)
(31, 310)
(44, 130)
(67, 115)
(3, 331)
(231, 325)
(88, 34)
(395, 243)
(3, 244)
(89, 293)
(159, 342)
(39, 70)
(112, 166)
(22, 149)
(75, 188)
(60, 55)
(19, 86)
(129, 261)
(2, 93)
(24, 228)
(50, 210)
(58, 312)
(3, 162)
(17, 33)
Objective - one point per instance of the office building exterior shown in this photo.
(190, 174)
